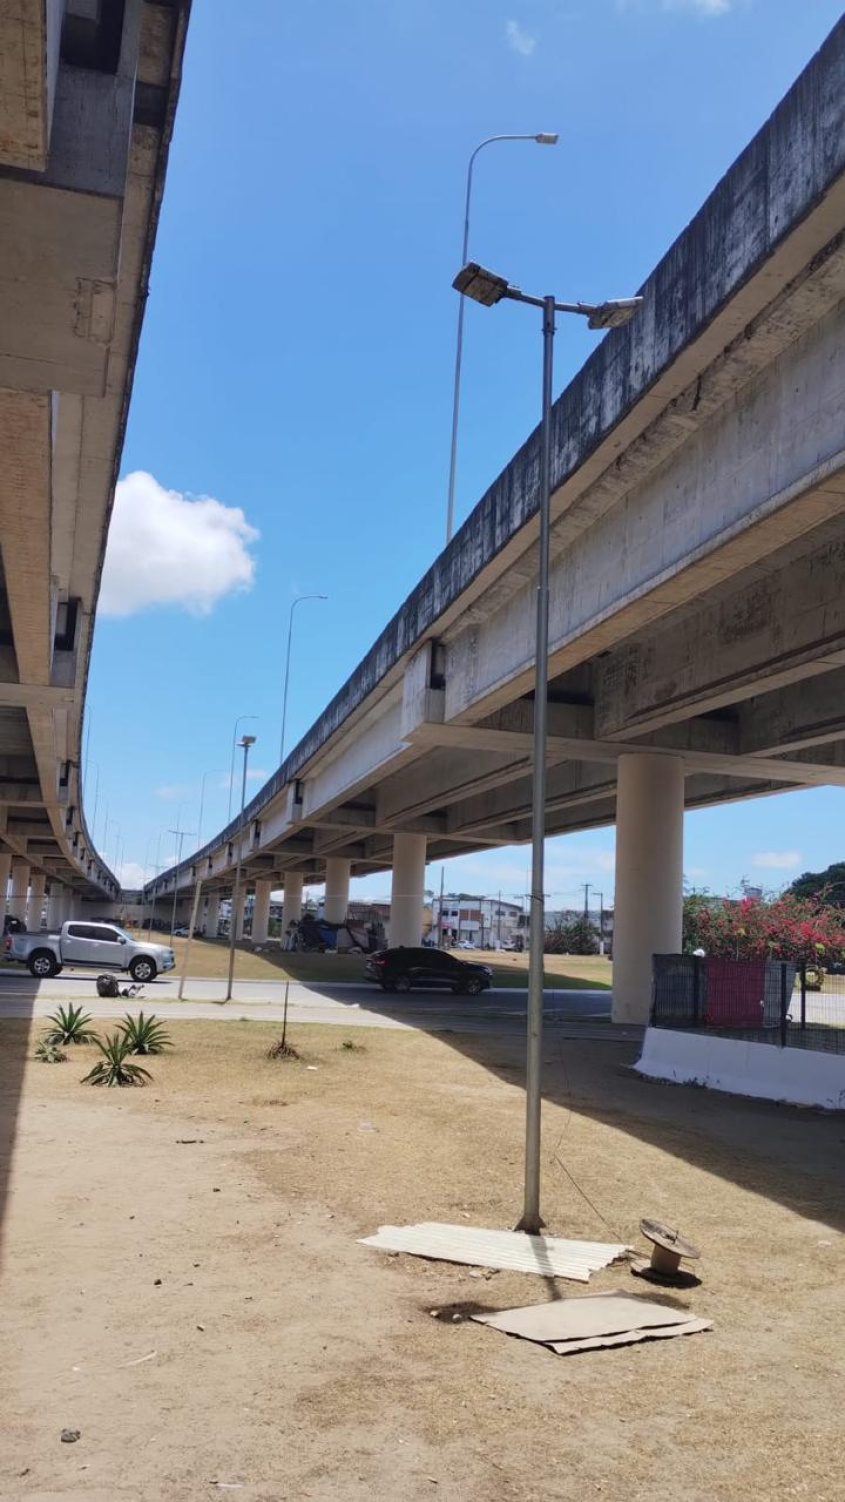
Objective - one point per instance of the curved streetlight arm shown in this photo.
(239, 721)
(543, 138)
(294, 603)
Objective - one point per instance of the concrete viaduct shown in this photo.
(87, 97)
(697, 597)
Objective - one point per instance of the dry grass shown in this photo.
(209, 960)
(298, 1364)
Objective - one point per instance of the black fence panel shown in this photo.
(762, 1001)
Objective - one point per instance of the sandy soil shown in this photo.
(278, 1357)
(210, 960)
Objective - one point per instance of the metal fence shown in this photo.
(763, 1001)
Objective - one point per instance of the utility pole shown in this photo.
(180, 835)
(499, 921)
(245, 741)
(587, 885)
(440, 913)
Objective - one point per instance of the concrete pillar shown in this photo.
(5, 873)
(56, 906)
(35, 906)
(20, 888)
(261, 911)
(337, 889)
(648, 907)
(407, 896)
(292, 904)
(239, 915)
(212, 914)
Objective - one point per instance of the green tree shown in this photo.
(827, 886)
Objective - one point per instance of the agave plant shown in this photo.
(69, 1025)
(144, 1034)
(112, 1068)
(49, 1053)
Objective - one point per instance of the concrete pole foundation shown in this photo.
(240, 915)
(407, 896)
(337, 889)
(261, 911)
(648, 916)
(20, 889)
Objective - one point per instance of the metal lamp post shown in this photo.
(544, 138)
(488, 288)
(246, 741)
(297, 601)
(239, 721)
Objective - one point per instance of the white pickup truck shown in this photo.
(102, 946)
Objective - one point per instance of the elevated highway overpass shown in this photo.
(88, 90)
(697, 629)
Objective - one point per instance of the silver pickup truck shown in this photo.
(103, 946)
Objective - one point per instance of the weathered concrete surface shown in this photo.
(77, 227)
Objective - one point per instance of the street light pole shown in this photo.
(246, 741)
(488, 288)
(239, 721)
(544, 138)
(180, 836)
(297, 601)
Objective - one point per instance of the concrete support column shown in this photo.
(337, 889)
(56, 906)
(261, 911)
(648, 909)
(212, 914)
(239, 915)
(292, 904)
(35, 906)
(407, 895)
(5, 873)
(20, 888)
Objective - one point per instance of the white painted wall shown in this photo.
(761, 1070)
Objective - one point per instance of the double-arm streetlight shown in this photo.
(488, 289)
(543, 138)
(239, 721)
(297, 601)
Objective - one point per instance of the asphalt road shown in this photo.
(333, 1003)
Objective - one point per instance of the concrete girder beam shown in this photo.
(767, 469)
(771, 631)
(803, 715)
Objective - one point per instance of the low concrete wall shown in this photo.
(763, 1070)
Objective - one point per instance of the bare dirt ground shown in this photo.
(209, 959)
(279, 1358)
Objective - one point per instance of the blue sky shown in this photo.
(296, 359)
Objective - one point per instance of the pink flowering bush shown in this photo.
(753, 928)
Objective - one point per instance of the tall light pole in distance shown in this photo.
(297, 601)
(488, 289)
(239, 721)
(180, 836)
(544, 138)
(246, 741)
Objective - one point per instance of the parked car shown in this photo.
(463, 944)
(400, 969)
(102, 946)
(181, 932)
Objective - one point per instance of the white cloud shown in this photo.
(694, 7)
(166, 548)
(777, 860)
(519, 40)
(702, 7)
(131, 874)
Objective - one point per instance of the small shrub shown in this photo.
(69, 1025)
(282, 1050)
(112, 1068)
(49, 1052)
(350, 1046)
(144, 1035)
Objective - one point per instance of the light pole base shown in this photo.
(533, 1225)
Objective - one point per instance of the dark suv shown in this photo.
(400, 969)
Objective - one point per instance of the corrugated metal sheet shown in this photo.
(507, 1251)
